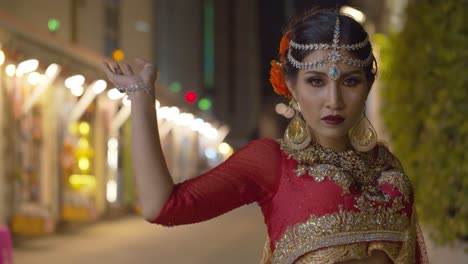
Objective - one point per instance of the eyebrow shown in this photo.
(325, 74)
(316, 72)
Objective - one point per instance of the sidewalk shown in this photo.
(447, 254)
(234, 238)
(237, 237)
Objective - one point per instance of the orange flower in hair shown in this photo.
(284, 46)
(278, 80)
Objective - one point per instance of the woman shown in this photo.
(328, 192)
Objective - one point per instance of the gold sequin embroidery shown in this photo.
(340, 253)
(359, 168)
(397, 179)
(370, 223)
(331, 255)
(321, 171)
(355, 251)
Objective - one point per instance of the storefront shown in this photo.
(66, 154)
(53, 156)
(79, 177)
(30, 124)
(56, 167)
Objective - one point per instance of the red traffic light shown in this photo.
(190, 97)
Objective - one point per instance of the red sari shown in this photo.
(317, 217)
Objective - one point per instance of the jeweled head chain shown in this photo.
(334, 57)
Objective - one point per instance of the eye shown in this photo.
(317, 82)
(351, 81)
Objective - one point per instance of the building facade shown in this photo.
(66, 157)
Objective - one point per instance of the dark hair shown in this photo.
(317, 26)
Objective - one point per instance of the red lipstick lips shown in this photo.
(333, 119)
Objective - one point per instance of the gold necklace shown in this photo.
(363, 168)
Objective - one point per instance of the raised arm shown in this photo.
(153, 181)
(251, 174)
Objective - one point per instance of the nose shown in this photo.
(334, 100)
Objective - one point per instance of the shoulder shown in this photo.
(264, 145)
(382, 152)
(259, 150)
(395, 174)
(263, 161)
(267, 142)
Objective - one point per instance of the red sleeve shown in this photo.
(250, 174)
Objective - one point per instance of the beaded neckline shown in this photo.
(362, 167)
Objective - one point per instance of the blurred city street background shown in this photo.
(237, 237)
(234, 238)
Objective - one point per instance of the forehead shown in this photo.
(320, 54)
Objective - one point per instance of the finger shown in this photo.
(140, 61)
(117, 68)
(111, 75)
(109, 72)
(128, 69)
(107, 69)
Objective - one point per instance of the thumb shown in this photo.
(148, 72)
(140, 62)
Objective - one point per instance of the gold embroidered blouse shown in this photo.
(373, 201)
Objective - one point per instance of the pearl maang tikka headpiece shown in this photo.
(334, 56)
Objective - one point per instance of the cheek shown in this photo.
(358, 102)
(357, 97)
(311, 95)
(356, 105)
(310, 103)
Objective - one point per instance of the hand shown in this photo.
(145, 77)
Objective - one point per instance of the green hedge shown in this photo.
(424, 71)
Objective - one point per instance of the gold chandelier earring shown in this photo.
(363, 136)
(297, 135)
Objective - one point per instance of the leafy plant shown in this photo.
(425, 110)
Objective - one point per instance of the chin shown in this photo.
(337, 132)
(333, 134)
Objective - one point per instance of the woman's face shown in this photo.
(330, 107)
